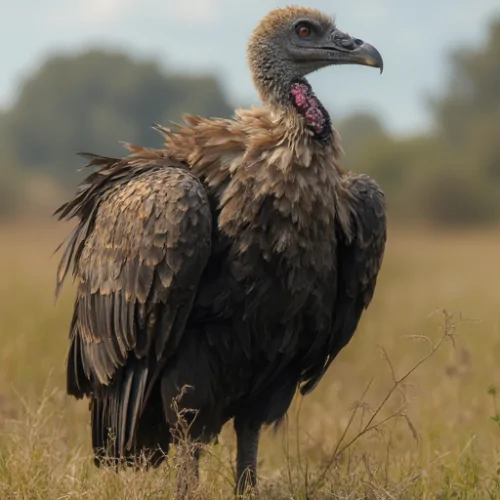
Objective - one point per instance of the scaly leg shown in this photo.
(247, 435)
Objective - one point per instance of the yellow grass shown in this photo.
(44, 435)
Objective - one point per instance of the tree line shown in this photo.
(449, 176)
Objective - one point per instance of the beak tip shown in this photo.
(370, 56)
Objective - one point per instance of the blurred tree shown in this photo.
(467, 185)
(360, 129)
(451, 177)
(93, 100)
(361, 132)
(10, 182)
(473, 92)
(455, 198)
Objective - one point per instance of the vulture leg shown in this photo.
(247, 436)
(188, 473)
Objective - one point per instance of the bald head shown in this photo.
(292, 42)
(280, 21)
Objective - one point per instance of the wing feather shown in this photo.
(360, 254)
(138, 252)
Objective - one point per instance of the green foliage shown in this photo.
(94, 100)
(91, 101)
(473, 94)
(10, 185)
(361, 128)
(452, 177)
(9, 191)
(468, 118)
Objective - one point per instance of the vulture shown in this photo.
(221, 274)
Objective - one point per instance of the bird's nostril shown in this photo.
(351, 43)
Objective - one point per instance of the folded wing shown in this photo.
(360, 252)
(139, 249)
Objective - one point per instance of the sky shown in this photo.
(414, 36)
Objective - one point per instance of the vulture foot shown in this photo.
(247, 436)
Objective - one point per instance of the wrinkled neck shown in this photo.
(306, 103)
(283, 88)
(290, 93)
(295, 95)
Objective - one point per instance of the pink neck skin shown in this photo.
(309, 106)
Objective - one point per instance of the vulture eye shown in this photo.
(303, 30)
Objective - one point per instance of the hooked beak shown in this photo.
(345, 49)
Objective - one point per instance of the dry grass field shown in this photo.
(405, 412)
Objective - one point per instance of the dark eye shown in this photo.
(303, 30)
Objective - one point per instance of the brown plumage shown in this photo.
(236, 261)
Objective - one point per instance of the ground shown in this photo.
(440, 438)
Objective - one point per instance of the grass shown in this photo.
(409, 409)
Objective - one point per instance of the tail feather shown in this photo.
(122, 430)
(135, 406)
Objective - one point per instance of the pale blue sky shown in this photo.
(414, 36)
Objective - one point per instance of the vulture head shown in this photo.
(292, 42)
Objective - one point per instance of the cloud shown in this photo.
(119, 11)
(194, 11)
(414, 38)
(102, 10)
(87, 11)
